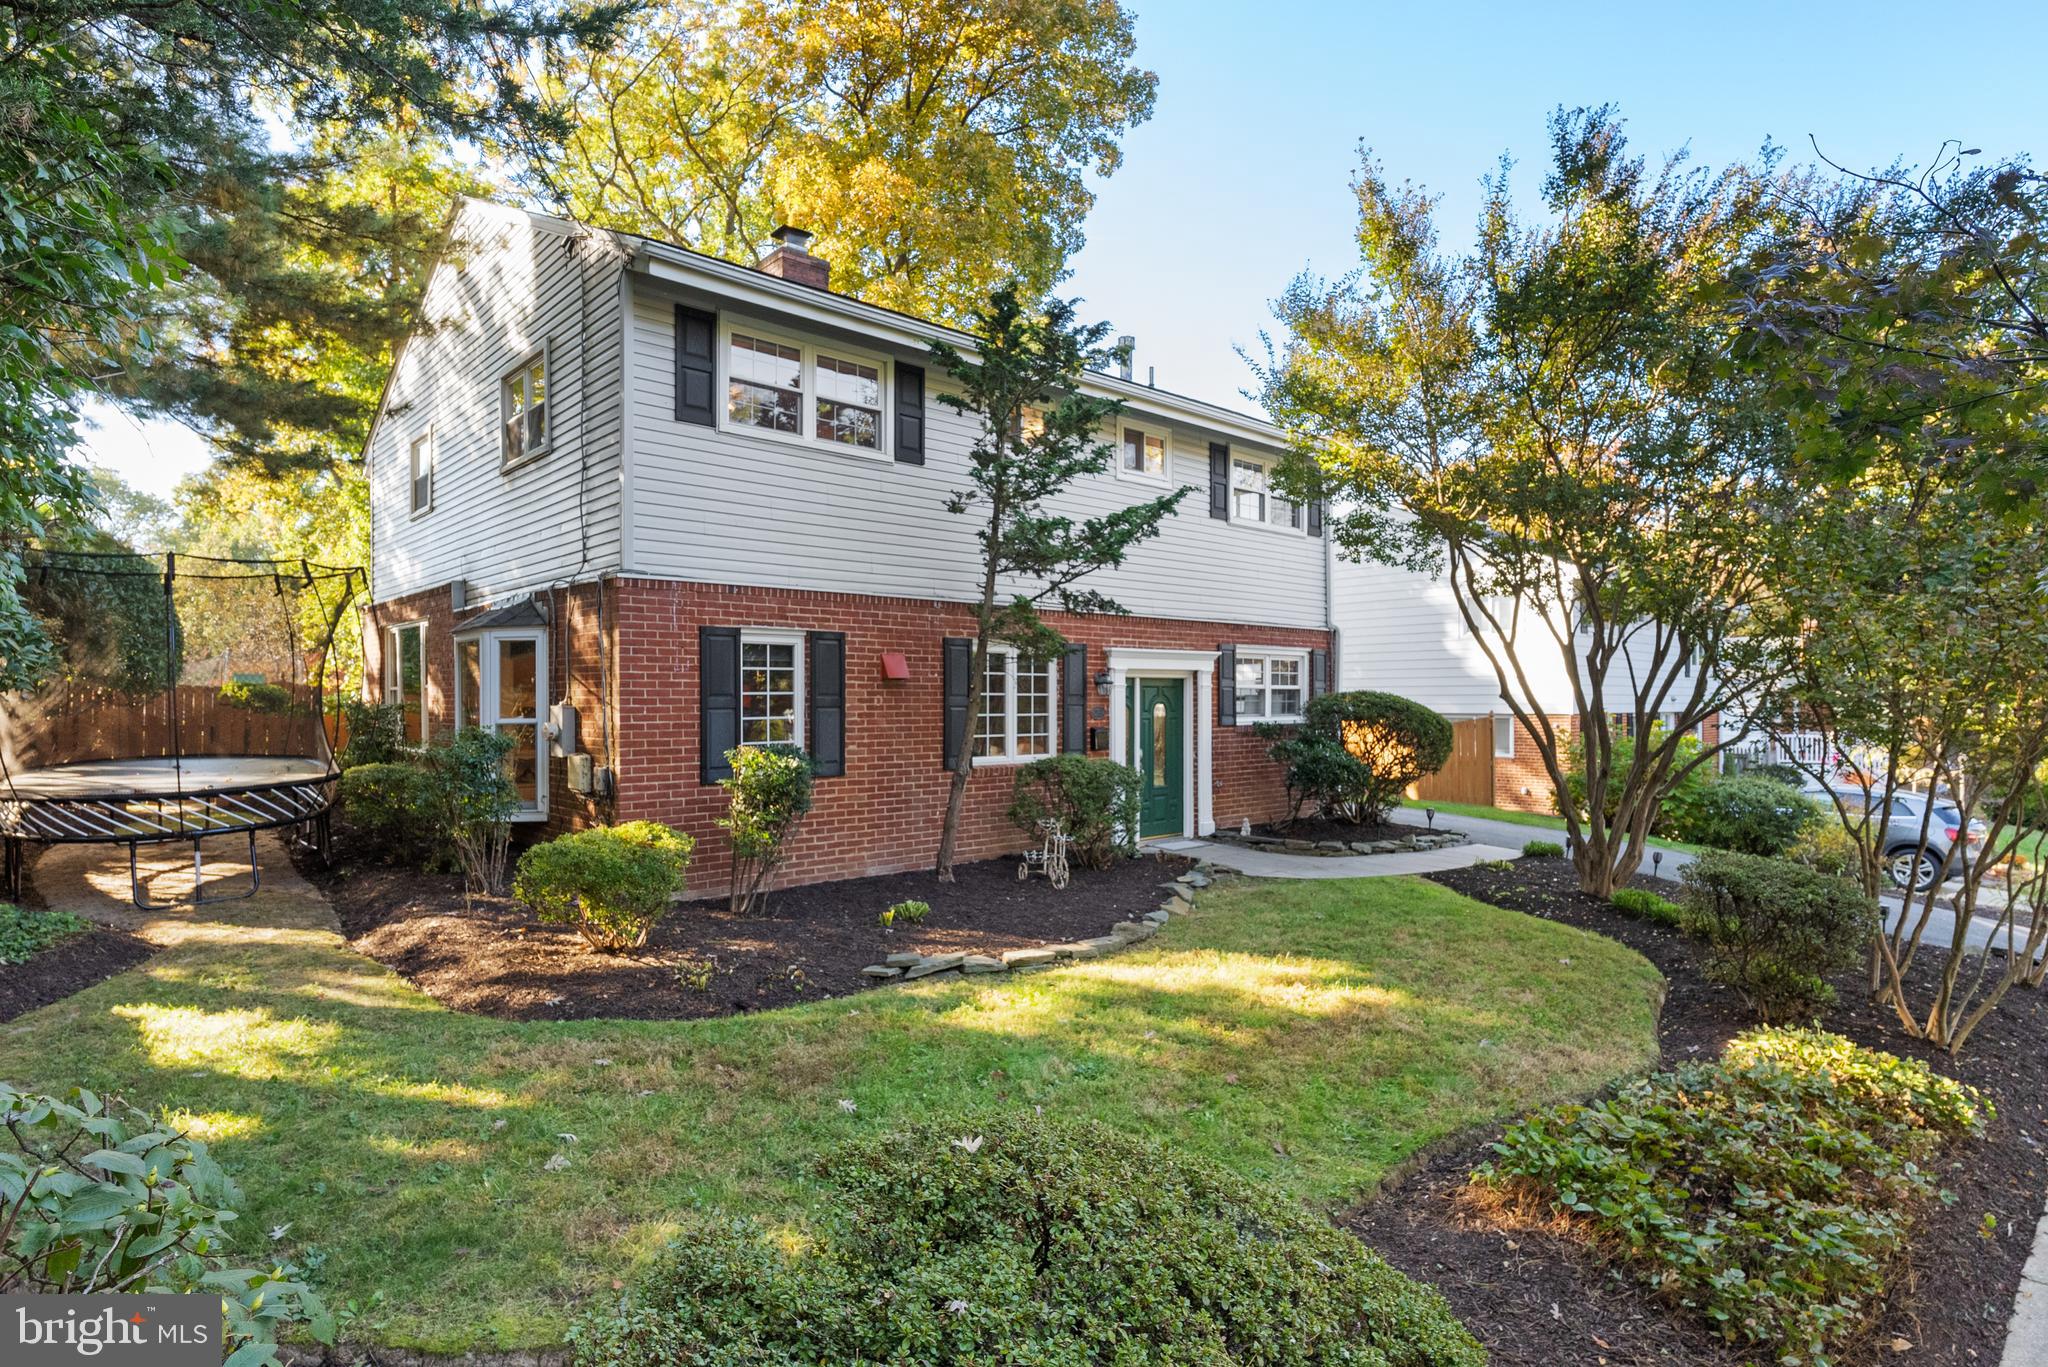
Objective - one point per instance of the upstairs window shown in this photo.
(523, 410)
(1252, 498)
(1144, 454)
(765, 384)
(1016, 721)
(423, 472)
(849, 403)
(771, 689)
(1271, 685)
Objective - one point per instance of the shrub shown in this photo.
(1747, 813)
(1674, 809)
(1774, 928)
(258, 696)
(1645, 905)
(1543, 849)
(395, 813)
(770, 790)
(1826, 846)
(376, 732)
(25, 934)
(1356, 752)
(1021, 1240)
(613, 883)
(1094, 800)
(1770, 1192)
(99, 1198)
(475, 801)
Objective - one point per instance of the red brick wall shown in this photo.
(1525, 770)
(884, 814)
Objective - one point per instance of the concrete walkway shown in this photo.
(2026, 1338)
(1280, 864)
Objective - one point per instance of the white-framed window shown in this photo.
(405, 677)
(422, 465)
(1272, 685)
(1019, 720)
(1252, 498)
(523, 410)
(1142, 454)
(771, 688)
(820, 393)
(1504, 736)
(501, 683)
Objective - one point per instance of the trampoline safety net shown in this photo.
(185, 696)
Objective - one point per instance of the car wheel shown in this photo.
(1914, 868)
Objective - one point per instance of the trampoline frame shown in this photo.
(134, 815)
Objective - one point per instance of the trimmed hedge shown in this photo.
(1094, 800)
(1772, 1192)
(1028, 1241)
(395, 812)
(613, 883)
(1355, 752)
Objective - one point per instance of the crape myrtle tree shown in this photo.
(1903, 314)
(1920, 663)
(1039, 433)
(1553, 424)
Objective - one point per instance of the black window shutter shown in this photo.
(827, 721)
(1315, 517)
(1318, 672)
(696, 366)
(1219, 480)
(909, 414)
(1226, 685)
(959, 660)
(1074, 700)
(718, 698)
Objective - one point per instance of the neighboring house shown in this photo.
(1400, 631)
(637, 505)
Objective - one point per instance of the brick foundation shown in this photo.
(884, 814)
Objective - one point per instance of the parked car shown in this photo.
(1907, 862)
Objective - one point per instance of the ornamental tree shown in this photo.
(1039, 433)
(1552, 423)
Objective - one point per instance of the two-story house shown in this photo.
(636, 506)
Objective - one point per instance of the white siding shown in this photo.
(732, 508)
(510, 285)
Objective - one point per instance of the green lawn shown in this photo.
(1310, 1035)
(1543, 819)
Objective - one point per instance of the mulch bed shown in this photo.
(1533, 1297)
(1323, 828)
(489, 955)
(71, 965)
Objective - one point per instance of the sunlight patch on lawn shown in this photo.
(240, 1043)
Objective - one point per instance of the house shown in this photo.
(1401, 631)
(637, 505)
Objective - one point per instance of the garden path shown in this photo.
(1263, 863)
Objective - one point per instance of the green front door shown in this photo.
(1158, 752)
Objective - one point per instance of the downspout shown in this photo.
(1330, 606)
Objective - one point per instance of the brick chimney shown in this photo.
(792, 260)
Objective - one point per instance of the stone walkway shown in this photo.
(1279, 864)
(2026, 1339)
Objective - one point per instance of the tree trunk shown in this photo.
(977, 680)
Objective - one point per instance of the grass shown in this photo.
(1310, 1035)
(1545, 820)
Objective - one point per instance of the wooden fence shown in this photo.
(71, 723)
(1468, 775)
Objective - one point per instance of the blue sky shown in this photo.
(1241, 179)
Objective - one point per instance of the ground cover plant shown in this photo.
(490, 1175)
(25, 933)
(1014, 1239)
(1772, 1192)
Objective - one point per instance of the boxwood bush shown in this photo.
(1772, 1192)
(1094, 800)
(1748, 813)
(1021, 1240)
(1775, 929)
(613, 883)
(394, 812)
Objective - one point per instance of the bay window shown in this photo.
(1271, 685)
(1016, 720)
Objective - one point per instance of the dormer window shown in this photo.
(523, 410)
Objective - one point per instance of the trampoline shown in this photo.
(233, 740)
